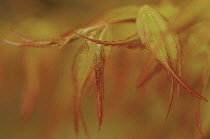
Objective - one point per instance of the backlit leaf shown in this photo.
(155, 34)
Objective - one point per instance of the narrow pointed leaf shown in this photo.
(99, 62)
(155, 34)
(204, 82)
(82, 70)
(171, 99)
(145, 71)
(99, 75)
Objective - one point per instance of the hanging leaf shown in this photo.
(204, 82)
(148, 71)
(82, 69)
(155, 34)
(99, 62)
(99, 75)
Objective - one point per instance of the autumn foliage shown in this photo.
(154, 52)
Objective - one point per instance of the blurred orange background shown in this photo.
(36, 86)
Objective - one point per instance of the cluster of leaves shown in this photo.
(154, 32)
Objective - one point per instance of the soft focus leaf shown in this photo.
(32, 84)
(127, 13)
(205, 80)
(148, 71)
(82, 69)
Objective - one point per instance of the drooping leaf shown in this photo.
(32, 84)
(99, 75)
(82, 69)
(155, 34)
(93, 56)
(171, 98)
(99, 62)
(148, 71)
(205, 80)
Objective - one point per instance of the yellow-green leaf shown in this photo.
(155, 34)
